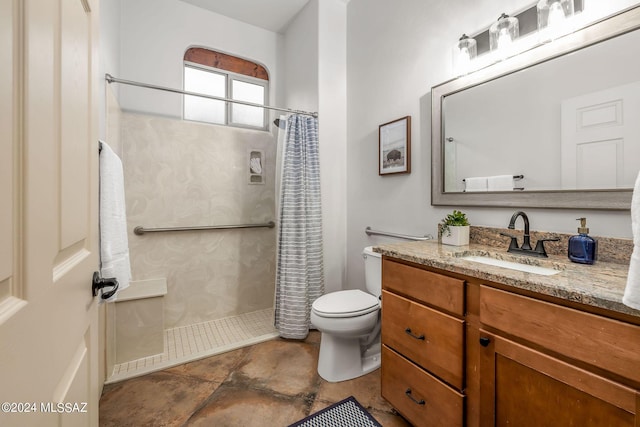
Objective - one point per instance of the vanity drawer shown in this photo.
(418, 396)
(425, 286)
(431, 339)
(605, 343)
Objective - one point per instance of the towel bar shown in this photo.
(516, 177)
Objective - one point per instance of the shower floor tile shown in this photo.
(188, 343)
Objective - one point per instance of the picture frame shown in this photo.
(394, 147)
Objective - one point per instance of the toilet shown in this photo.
(350, 325)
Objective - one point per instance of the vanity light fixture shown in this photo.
(554, 18)
(502, 34)
(464, 52)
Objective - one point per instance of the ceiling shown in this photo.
(273, 15)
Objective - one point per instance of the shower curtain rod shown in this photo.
(110, 79)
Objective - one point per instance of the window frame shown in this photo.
(184, 97)
(230, 76)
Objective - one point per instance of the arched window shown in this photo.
(226, 76)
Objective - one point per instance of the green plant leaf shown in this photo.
(454, 219)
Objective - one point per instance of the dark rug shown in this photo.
(346, 413)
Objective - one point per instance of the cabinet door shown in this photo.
(523, 387)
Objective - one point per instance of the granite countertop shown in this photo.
(599, 285)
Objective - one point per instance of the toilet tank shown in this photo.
(372, 271)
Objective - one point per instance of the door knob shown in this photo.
(99, 282)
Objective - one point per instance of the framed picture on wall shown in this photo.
(394, 147)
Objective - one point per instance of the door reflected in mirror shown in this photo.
(563, 115)
(566, 124)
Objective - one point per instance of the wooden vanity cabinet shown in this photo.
(457, 352)
(423, 332)
(524, 387)
(543, 364)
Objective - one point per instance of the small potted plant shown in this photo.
(454, 229)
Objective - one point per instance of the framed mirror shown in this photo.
(553, 127)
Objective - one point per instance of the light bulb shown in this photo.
(502, 35)
(554, 18)
(464, 53)
(504, 39)
(464, 59)
(556, 15)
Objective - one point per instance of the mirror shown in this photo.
(560, 118)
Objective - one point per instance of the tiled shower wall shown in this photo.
(181, 173)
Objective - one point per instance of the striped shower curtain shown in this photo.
(299, 271)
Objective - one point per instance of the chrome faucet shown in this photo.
(525, 249)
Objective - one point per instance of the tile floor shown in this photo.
(186, 343)
(273, 383)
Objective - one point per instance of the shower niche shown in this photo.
(256, 166)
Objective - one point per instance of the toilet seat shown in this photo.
(349, 303)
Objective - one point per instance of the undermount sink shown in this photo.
(512, 265)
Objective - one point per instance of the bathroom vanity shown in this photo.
(471, 344)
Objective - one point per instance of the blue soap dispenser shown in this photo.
(582, 248)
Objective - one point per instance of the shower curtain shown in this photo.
(299, 271)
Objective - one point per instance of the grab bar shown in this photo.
(371, 232)
(139, 230)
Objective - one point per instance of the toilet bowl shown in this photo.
(349, 321)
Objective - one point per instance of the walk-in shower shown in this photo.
(204, 227)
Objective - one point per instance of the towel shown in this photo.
(255, 165)
(632, 290)
(114, 244)
(500, 183)
(476, 183)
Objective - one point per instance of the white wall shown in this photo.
(396, 53)
(316, 80)
(109, 52)
(156, 33)
(332, 90)
(301, 60)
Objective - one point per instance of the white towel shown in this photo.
(114, 244)
(255, 165)
(500, 183)
(476, 183)
(632, 290)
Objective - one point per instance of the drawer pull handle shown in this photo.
(412, 335)
(420, 402)
(484, 341)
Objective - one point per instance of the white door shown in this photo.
(48, 213)
(599, 146)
